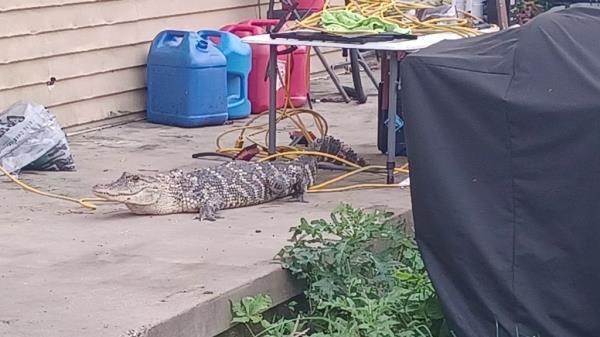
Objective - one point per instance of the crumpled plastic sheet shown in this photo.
(32, 139)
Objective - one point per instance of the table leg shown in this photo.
(334, 78)
(273, 99)
(392, 110)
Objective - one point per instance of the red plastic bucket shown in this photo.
(258, 86)
(300, 66)
(315, 5)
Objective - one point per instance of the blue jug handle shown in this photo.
(243, 92)
(205, 34)
(166, 35)
(211, 32)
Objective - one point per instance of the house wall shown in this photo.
(85, 59)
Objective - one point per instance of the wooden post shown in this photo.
(502, 14)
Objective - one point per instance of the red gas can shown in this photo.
(299, 67)
(258, 87)
(315, 5)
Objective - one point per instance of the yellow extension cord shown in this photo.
(87, 203)
(288, 152)
(395, 12)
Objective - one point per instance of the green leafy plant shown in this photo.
(365, 278)
(250, 309)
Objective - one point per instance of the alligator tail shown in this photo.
(332, 146)
(336, 147)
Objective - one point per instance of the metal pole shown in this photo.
(332, 74)
(392, 110)
(273, 99)
(367, 69)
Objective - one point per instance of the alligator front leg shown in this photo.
(208, 209)
(299, 198)
(299, 190)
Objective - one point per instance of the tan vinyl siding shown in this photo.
(95, 49)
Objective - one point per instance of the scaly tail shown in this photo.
(336, 147)
(326, 145)
(332, 146)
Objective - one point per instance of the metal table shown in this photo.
(390, 50)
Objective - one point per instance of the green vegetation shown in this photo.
(365, 278)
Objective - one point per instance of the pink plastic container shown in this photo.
(300, 66)
(316, 5)
(258, 87)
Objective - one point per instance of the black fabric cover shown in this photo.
(503, 137)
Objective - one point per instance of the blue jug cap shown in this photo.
(202, 44)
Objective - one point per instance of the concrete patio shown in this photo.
(69, 272)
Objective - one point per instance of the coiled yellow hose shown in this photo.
(289, 152)
(396, 12)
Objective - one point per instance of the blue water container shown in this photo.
(187, 81)
(239, 64)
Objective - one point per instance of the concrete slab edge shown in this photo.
(213, 317)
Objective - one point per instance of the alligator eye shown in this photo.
(135, 178)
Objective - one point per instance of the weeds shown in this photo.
(365, 278)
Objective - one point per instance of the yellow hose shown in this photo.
(396, 12)
(357, 169)
(291, 152)
(87, 203)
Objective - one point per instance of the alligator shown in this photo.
(206, 191)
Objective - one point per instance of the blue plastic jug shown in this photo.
(239, 64)
(187, 81)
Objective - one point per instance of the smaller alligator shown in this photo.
(234, 184)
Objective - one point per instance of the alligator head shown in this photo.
(142, 194)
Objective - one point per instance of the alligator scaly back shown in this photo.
(234, 184)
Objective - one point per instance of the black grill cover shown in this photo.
(503, 136)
